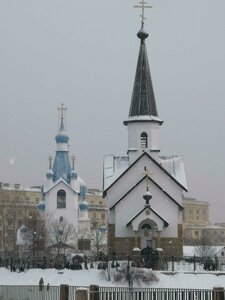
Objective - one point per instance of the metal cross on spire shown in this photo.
(73, 161)
(50, 162)
(62, 109)
(142, 6)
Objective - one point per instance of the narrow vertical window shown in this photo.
(144, 140)
(61, 199)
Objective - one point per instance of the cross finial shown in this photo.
(142, 5)
(62, 109)
(50, 162)
(147, 174)
(73, 158)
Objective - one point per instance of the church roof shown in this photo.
(158, 186)
(113, 172)
(61, 166)
(61, 180)
(143, 99)
(166, 224)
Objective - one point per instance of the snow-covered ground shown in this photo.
(54, 277)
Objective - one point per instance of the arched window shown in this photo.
(144, 140)
(61, 199)
(60, 219)
(146, 226)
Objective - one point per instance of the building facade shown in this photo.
(196, 225)
(17, 207)
(98, 209)
(144, 189)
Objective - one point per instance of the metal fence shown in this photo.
(28, 292)
(154, 294)
(172, 263)
(107, 293)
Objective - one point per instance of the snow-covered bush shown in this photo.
(130, 275)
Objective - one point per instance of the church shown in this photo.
(64, 191)
(144, 189)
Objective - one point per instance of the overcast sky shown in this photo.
(84, 53)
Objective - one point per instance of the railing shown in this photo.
(28, 292)
(107, 293)
(154, 294)
(181, 264)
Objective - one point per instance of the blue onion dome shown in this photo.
(73, 174)
(50, 174)
(41, 205)
(84, 205)
(62, 137)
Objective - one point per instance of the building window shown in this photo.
(144, 140)
(60, 219)
(222, 253)
(196, 233)
(61, 199)
(146, 226)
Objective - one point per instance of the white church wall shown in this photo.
(134, 203)
(70, 213)
(111, 216)
(134, 174)
(135, 131)
(134, 138)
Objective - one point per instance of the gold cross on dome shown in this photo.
(147, 174)
(142, 5)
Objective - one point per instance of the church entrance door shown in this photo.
(147, 231)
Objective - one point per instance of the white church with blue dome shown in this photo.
(64, 191)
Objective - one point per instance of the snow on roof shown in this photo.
(47, 189)
(21, 189)
(191, 250)
(143, 118)
(114, 166)
(175, 166)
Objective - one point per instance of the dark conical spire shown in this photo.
(143, 99)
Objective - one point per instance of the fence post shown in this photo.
(173, 259)
(194, 263)
(94, 292)
(64, 292)
(218, 293)
(81, 294)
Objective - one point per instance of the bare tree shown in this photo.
(98, 238)
(94, 239)
(204, 247)
(61, 236)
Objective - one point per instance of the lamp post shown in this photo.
(129, 278)
(34, 242)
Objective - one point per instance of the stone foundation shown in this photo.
(124, 246)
